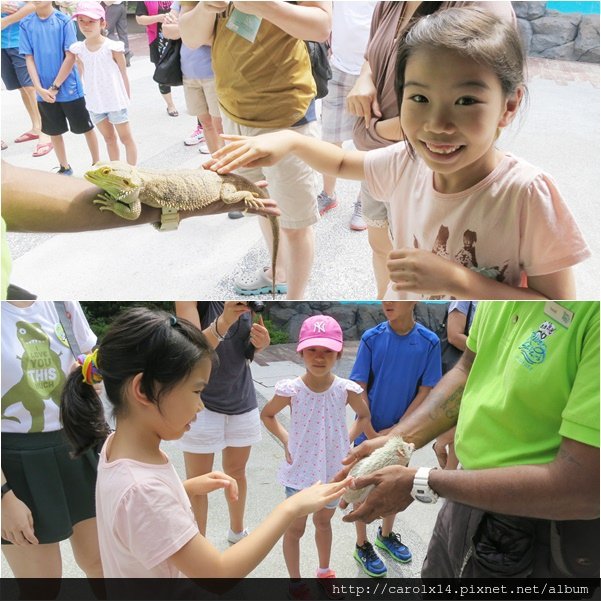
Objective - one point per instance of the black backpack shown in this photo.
(434, 316)
(320, 66)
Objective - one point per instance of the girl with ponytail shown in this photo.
(154, 367)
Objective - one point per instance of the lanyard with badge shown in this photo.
(244, 25)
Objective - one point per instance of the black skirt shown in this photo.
(59, 490)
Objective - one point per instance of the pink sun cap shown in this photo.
(320, 330)
(93, 10)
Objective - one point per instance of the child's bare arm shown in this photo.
(35, 79)
(421, 271)
(363, 421)
(354, 429)
(203, 485)
(200, 559)
(422, 393)
(119, 58)
(19, 13)
(268, 149)
(80, 67)
(271, 409)
(65, 69)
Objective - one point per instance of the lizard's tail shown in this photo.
(275, 231)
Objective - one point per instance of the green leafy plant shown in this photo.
(277, 336)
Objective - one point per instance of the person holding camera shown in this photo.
(230, 423)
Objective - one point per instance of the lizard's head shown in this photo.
(117, 178)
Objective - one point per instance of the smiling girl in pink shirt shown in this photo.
(467, 219)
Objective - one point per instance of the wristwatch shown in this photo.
(5, 488)
(421, 491)
(54, 87)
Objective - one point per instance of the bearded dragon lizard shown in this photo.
(127, 187)
(395, 452)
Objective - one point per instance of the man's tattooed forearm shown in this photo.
(448, 407)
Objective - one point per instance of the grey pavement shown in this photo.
(264, 491)
(558, 130)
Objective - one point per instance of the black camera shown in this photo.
(256, 306)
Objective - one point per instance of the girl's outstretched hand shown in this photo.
(203, 485)
(260, 151)
(418, 270)
(316, 497)
(367, 447)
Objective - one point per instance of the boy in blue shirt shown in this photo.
(397, 364)
(45, 38)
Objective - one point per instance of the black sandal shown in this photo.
(172, 112)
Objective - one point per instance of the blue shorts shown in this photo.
(14, 70)
(114, 117)
(293, 491)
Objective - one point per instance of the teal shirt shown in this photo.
(10, 35)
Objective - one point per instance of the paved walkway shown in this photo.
(558, 130)
(264, 491)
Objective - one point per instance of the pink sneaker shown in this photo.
(196, 137)
(328, 583)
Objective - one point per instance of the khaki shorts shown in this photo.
(201, 97)
(292, 183)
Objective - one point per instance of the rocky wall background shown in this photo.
(551, 34)
(354, 318)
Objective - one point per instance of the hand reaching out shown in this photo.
(316, 497)
(203, 485)
(367, 447)
(259, 151)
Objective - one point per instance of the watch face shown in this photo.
(424, 499)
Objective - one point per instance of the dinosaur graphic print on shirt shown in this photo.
(42, 378)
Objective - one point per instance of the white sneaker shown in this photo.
(357, 222)
(195, 137)
(203, 148)
(234, 537)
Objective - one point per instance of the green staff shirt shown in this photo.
(535, 379)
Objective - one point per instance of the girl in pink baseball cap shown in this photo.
(317, 439)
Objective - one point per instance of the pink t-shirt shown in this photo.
(143, 515)
(318, 436)
(513, 223)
